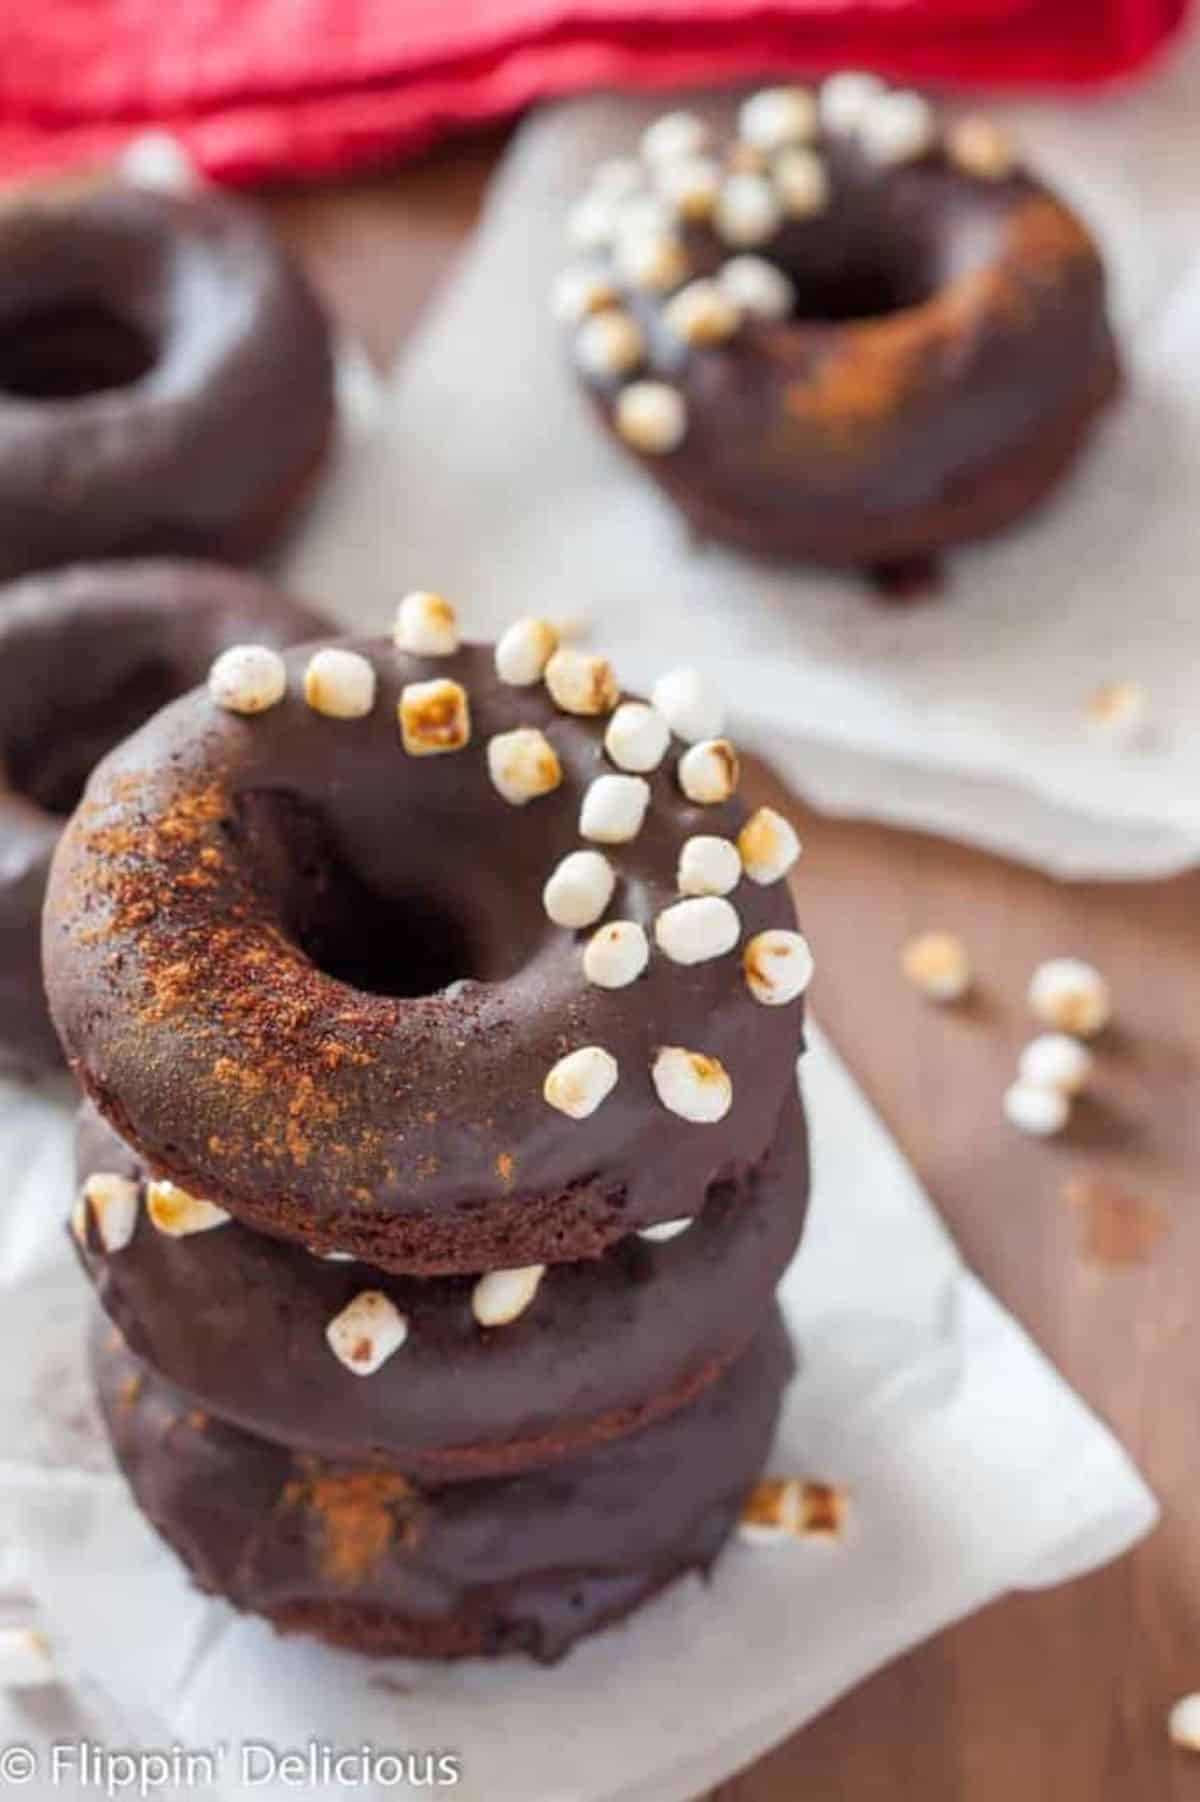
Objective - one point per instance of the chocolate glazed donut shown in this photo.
(303, 961)
(850, 339)
(86, 655)
(166, 380)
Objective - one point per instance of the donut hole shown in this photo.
(70, 350)
(860, 290)
(50, 766)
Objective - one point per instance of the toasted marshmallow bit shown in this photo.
(779, 1509)
(708, 866)
(674, 135)
(701, 313)
(1054, 1061)
(616, 954)
(178, 1214)
(25, 1661)
(768, 846)
(366, 1332)
(937, 963)
(980, 148)
(695, 930)
(666, 1230)
(613, 809)
(775, 117)
(690, 186)
(644, 216)
(581, 683)
(778, 966)
(651, 417)
(523, 764)
(1118, 711)
(592, 222)
(579, 1082)
(112, 1202)
(426, 625)
(802, 183)
(1183, 1723)
(757, 287)
(434, 717)
(1071, 996)
(845, 99)
(747, 212)
(579, 889)
(690, 705)
(579, 292)
(609, 344)
(898, 128)
(247, 678)
(692, 1085)
(339, 684)
(1034, 1110)
(502, 1296)
(157, 161)
(653, 261)
(709, 771)
(524, 650)
(637, 737)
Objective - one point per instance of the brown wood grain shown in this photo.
(1093, 1241)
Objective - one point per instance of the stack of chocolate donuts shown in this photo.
(438, 1011)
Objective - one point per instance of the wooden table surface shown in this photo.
(1092, 1240)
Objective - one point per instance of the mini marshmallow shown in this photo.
(708, 866)
(366, 1332)
(779, 1509)
(701, 313)
(579, 1082)
(846, 98)
(693, 931)
(426, 625)
(112, 1202)
(690, 705)
(778, 966)
(654, 261)
(692, 1085)
(1183, 1723)
(709, 771)
(609, 344)
(1054, 1061)
(523, 764)
(980, 148)
(502, 1295)
(616, 954)
(898, 128)
(666, 1230)
(247, 678)
(434, 717)
(339, 684)
(768, 846)
(690, 187)
(579, 292)
(1118, 711)
(637, 737)
(592, 222)
(651, 417)
(747, 212)
(757, 287)
(159, 163)
(674, 135)
(937, 963)
(775, 117)
(581, 683)
(1071, 996)
(524, 650)
(1037, 1111)
(25, 1661)
(178, 1214)
(613, 809)
(802, 183)
(618, 177)
(579, 889)
(644, 216)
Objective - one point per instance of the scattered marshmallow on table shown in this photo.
(25, 1661)
(339, 684)
(248, 678)
(426, 625)
(1118, 711)
(651, 417)
(637, 737)
(1038, 1111)
(579, 889)
(937, 964)
(708, 866)
(616, 954)
(778, 966)
(666, 1230)
(690, 705)
(502, 1296)
(709, 771)
(695, 930)
(692, 1084)
(1183, 1723)
(1071, 996)
(367, 1332)
(580, 1081)
(523, 764)
(613, 809)
(1055, 1061)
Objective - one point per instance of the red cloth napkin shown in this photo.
(264, 88)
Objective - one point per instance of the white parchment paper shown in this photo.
(917, 1390)
(963, 715)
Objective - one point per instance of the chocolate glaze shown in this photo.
(87, 654)
(237, 1320)
(166, 380)
(361, 1557)
(407, 1128)
(948, 356)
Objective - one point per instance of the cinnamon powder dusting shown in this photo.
(360, 1515)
